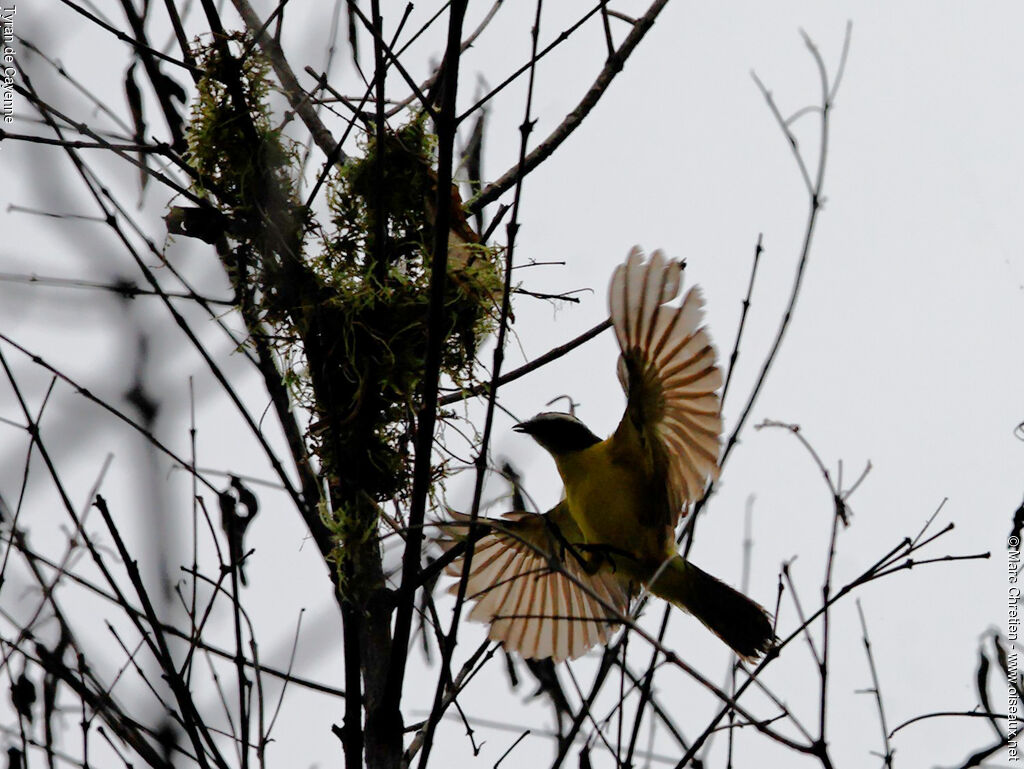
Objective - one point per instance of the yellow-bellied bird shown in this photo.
(552, 585)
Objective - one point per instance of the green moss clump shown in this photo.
(221, 137)
(347, 311)
(379, 293)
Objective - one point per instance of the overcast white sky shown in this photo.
(904, 350)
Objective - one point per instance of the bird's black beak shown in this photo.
(522, 427)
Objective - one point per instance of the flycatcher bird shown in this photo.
(552, 585)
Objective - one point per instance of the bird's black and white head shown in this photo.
(559, 433)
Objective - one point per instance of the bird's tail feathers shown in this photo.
(741, 623)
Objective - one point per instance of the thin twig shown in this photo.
(875, 688)
(758, 250)
(426, 413)
(481, 464)
(542, 360)
(574, 119)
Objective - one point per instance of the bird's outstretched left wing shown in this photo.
(526, 583)
(669, 373)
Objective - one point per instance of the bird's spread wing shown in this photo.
(526, 583)
(668, 371)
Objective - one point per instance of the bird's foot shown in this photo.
(594, 556)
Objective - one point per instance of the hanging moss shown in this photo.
(348, 310)
(220, 147)
(379, 292)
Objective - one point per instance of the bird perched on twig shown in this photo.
(554, 585)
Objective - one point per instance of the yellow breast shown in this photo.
(608, 500)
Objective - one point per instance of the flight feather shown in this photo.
(668, 370)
